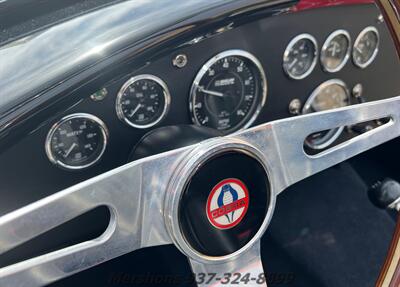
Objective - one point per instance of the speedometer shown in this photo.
(228, 92)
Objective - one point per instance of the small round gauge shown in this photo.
(228, 92)
(143, 101)
(77, 141)
(336, 51)
(300, 56)
(366, 47)
(331, 94)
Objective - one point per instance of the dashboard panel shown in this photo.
(268, 64)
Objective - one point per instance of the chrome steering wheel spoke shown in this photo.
(134, 195)
(282, 141)
(246, 270)
(144, 196)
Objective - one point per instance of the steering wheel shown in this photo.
(213, 200)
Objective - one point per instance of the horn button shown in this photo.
(224, 203)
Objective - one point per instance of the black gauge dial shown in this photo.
(228, 92)
(300, 56)
(336, 51)
(366, 47)
(143, 101)
(331, 94)
(77, 141)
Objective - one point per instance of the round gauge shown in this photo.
(336, 51)
(300, 56)
(366, 47)
(228, 92)
(143, 101)
(76, 141)
(331, 94)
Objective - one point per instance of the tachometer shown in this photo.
(331, 94)
(229, 91)
(77, 141)
(143, 101)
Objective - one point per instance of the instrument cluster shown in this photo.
(228, 93)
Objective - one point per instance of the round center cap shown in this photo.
(224, 203)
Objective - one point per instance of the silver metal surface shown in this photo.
(135, 194)
(180, 61)
(356, 42)
(196, 158)
(295, 107)
(333, 134)
(325, 48)
(248, 263)
(49, 151)
(167, 100)
(290, 46)
(212, 61)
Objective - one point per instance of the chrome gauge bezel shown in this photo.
(290, 46)
(54, 128)
(326, 45)
(333, 134)
(167, 100)
(374, 54)
(211, 62)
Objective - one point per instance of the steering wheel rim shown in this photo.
(143, 201)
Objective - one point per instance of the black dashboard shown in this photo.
(274, 79)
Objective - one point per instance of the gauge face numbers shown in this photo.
(336, 51)
(77, 141)
(300, 56)
(331, 94)
(366, 47)
(143, 101)
(228, 92)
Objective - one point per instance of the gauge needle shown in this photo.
(135, 110)
(213, 93)
(70, 149)
(293, 63)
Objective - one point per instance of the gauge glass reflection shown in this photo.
(329, 95)
(300, 56)
(77, 141)
(336, 51)
(143, 101)
(366, 47)
(228, 92)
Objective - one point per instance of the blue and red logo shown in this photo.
(227, 203)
